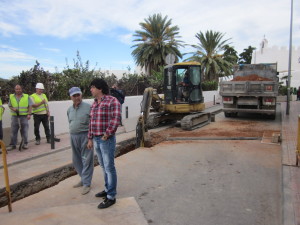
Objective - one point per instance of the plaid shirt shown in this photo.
(105, 116)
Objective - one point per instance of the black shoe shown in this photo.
(101, 194)
(48, 141)
(106, 203)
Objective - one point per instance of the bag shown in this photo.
(118, 95)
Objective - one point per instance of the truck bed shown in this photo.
(248, 88)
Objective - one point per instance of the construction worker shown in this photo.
(20, 106)
(41, 113)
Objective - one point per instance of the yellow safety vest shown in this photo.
(22, 105)
(37, 99)
(1, 110)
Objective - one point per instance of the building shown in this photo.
(280, 55)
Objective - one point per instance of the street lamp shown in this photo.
(290, 62)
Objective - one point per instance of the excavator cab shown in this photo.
(182, 83)
(183, 100)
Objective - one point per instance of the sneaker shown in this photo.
(85, 190)
(106, 203)
(37, 142)
(78, 185)
(25, 146)
(101, 194)
(11, 147)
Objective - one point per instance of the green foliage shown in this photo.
(208, 53)
(246, 55)
(230, 54)
(209, 85)
(155, 41)
(157, 79)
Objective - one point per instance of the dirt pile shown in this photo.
(251, 77)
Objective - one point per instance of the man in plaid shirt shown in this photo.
(105, 118)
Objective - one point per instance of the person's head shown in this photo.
(39, 88)
(99, 87)
(75, 95)
(18, 89)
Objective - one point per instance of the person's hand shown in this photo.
(28, 116)
(90, 144)
(104, 137)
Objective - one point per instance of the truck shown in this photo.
(253, 89)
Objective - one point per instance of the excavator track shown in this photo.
(193, 121)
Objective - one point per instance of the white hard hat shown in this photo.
(39, 86)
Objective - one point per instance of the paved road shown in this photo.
(207, 182)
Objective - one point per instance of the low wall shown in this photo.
(58, 109)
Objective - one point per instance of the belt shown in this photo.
(99, 135)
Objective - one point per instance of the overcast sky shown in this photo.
(51, 31)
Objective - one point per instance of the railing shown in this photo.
(7, 187)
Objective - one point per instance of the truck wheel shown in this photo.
(226, 114)
(234, 114)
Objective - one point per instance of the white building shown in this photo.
(280, 55)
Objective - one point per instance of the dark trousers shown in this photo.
(38, 119)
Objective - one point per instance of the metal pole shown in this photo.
(5, 170)
(298, 143)
(52, 132)
(126, 112)
(290, 62)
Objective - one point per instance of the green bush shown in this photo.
(210, 85)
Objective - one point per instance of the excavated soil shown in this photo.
(223, 128)
(251, 77)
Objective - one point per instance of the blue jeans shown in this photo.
(15, 126)
(106, 156)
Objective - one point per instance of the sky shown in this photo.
(52, 31)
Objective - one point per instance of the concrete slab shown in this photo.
(126, 212)
(219, 182)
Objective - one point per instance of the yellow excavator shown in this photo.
(182, 100)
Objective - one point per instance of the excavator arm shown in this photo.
(151, 100)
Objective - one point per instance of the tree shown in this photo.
(246, 55)
(208, 53)
(28, 79)
(155, 41)
(230, 54)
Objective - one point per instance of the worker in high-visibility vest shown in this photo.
(20, 106)
(41, 113)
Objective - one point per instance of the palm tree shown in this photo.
(155, 41)
(246, 55)
(208, 53)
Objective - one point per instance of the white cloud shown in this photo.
(8, 53)
(7, 29)
(243, 21)
(52, 49)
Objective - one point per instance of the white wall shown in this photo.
(58, 109)
(281, 57)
